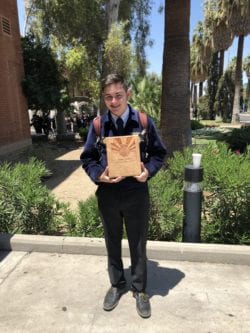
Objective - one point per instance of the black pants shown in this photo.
(131, 206)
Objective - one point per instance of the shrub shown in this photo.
(226, 209)
(69, 221)
(195, 124)
(166, 191)
(85, 221)
(26, 205)
(165, 213)
(237, 139)
(89, 223)
(83, 132)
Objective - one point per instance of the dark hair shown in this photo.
(113, 79)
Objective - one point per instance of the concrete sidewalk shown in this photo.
(63, 292)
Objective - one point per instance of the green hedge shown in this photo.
(226, 204)
(26, 205)
(195, 124)
(85, 221)
(238, 139)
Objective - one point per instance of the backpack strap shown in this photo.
(97, 125)
(143, 117)
(143, 120)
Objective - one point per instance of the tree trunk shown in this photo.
(191, 99)
(221, 63)
(238, 79)
(60, 123)
(212, 84)
(112, 11)
(200, 89)
(248, 96)
(191, 94)
(175, 102)
(195, 102)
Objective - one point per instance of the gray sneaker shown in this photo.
(112, 298)
(142, 304)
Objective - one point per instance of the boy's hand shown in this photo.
(144, 174)
(106, 179)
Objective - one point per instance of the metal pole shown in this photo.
(192, 202)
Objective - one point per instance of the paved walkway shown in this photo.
(62, 292)
(69, 182)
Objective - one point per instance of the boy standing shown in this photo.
(123, 199)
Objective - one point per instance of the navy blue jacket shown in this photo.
(94, 158)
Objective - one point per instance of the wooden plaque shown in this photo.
(123, 155)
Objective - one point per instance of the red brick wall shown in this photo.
(14, 121)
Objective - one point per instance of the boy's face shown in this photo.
(116, 98)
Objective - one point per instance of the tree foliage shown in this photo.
(223, 105)
(82, 20)
(142, 9)
(237, 15)
(79, 72)
(42, 83)
(117, 52)
(212, 84)
(199, 59)
(86, 23)
(219, 35)
(146, 95)
(246, 67)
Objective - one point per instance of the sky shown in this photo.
(155, 53)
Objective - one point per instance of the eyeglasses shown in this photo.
(110, 98)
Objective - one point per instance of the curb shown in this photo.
(196, 252)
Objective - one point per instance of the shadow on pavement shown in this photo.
(3, 254)
(5, 246)
(60, 171)
(160, 279)
(60, 162)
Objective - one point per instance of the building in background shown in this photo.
(14, 119)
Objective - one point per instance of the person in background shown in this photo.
(37, 123)
(123, 200)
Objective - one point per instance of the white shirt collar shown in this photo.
(124, 116)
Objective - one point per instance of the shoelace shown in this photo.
(144, 297)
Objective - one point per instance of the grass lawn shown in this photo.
(214, 123)
(201, 141)
(211, 131)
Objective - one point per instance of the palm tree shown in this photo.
(217, 30)
(238, 14)
(175, 102)
(198, 74)
(246, 67)
(199, 62)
